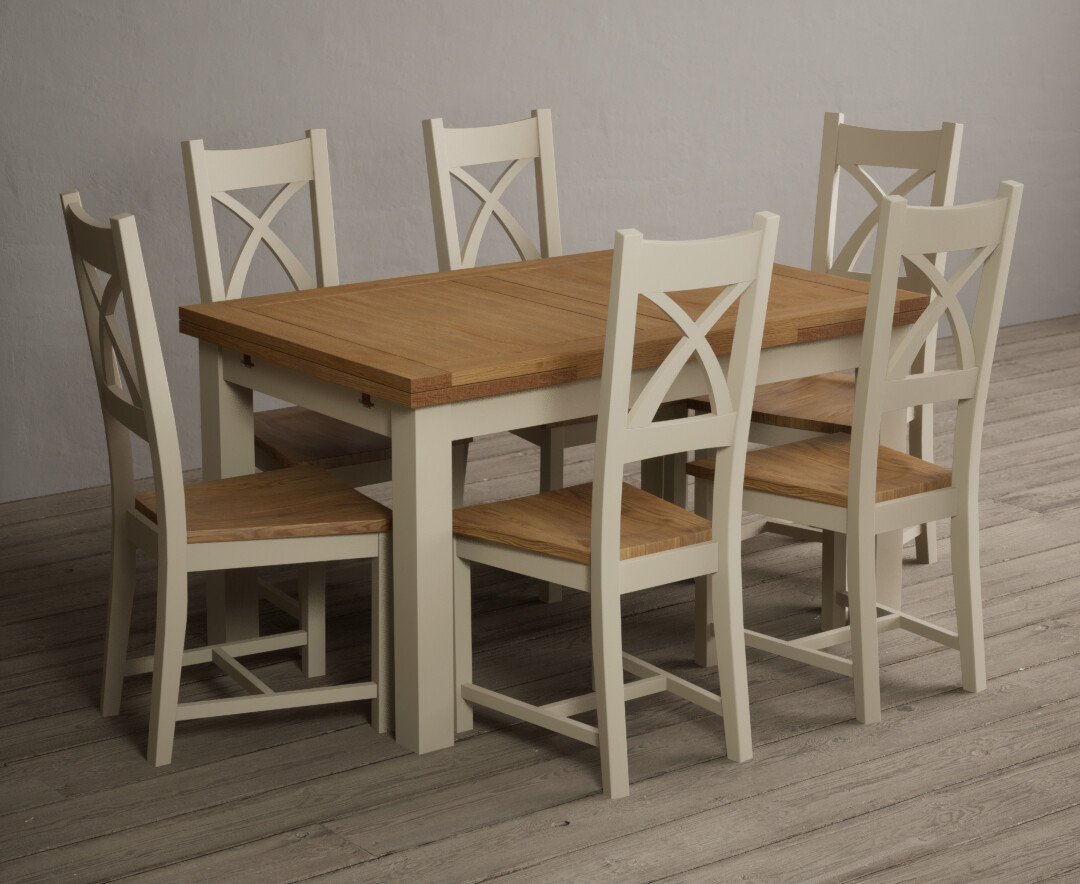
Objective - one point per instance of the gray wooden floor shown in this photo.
(949, 787)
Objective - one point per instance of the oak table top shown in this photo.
(466, 334)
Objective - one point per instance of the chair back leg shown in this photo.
(611, 701)
(118, 628)
(172, 607)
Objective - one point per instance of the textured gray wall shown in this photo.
(680, 118)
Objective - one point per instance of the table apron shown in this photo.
(312, 393)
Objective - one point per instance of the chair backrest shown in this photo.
(129, 367)
(740, 265)
(212, 174)
(449, 151)
(854, 150)
(886, 382)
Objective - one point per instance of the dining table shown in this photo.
(430, 359)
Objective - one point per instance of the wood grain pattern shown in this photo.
(821, 403)
(294, 436)
(294, 502)
(558, 523)
(465, 334)
(817, 469)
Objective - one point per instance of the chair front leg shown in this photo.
(704, 649)
(463, 712)
(312, 599)
(382, 637)
(833, 580)
(552, 464)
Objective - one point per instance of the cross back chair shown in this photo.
(610, 538)
(292, 435)
(790, 410)
(449, 154)
(293, 515)
(852, 487)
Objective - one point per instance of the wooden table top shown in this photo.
(465, 334)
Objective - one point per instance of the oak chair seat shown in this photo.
(821, 403)
(301, 501)
(294, 435)
(559, 523)
(817, 469)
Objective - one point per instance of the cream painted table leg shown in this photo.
(423, 577)
(228, 449)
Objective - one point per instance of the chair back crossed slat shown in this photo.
(449, 151)
(853, 149)
(740, 266)
(211, 177)
(886, 380)
(130, 370)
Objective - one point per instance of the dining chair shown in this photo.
(609, 538)
(292, 435)
(292, 515)
(790, 410)
(854, 488)
(449, 154)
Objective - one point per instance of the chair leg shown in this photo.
(862, 605)
(921, 444)
(460, 461)
(610, 695)
(172, 607)
(552, 455)
(463, 713)
(382, 632)
(967, 588)
(725, 592)
(312, 601)
(118, 628)
(704, 649)
(833, 579)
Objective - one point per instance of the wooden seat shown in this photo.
(817, 469)
(293, 436)
(823, 403)
(300, 501)
(289, 516)
(853, 488)
(608, 538)
(284, 436)
(558, 523)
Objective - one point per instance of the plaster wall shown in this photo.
(680, 118)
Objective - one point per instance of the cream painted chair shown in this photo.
(293, 515)
(792, 410)
(630, 540)
(284, 436)
(449, 152)
(852, 487)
